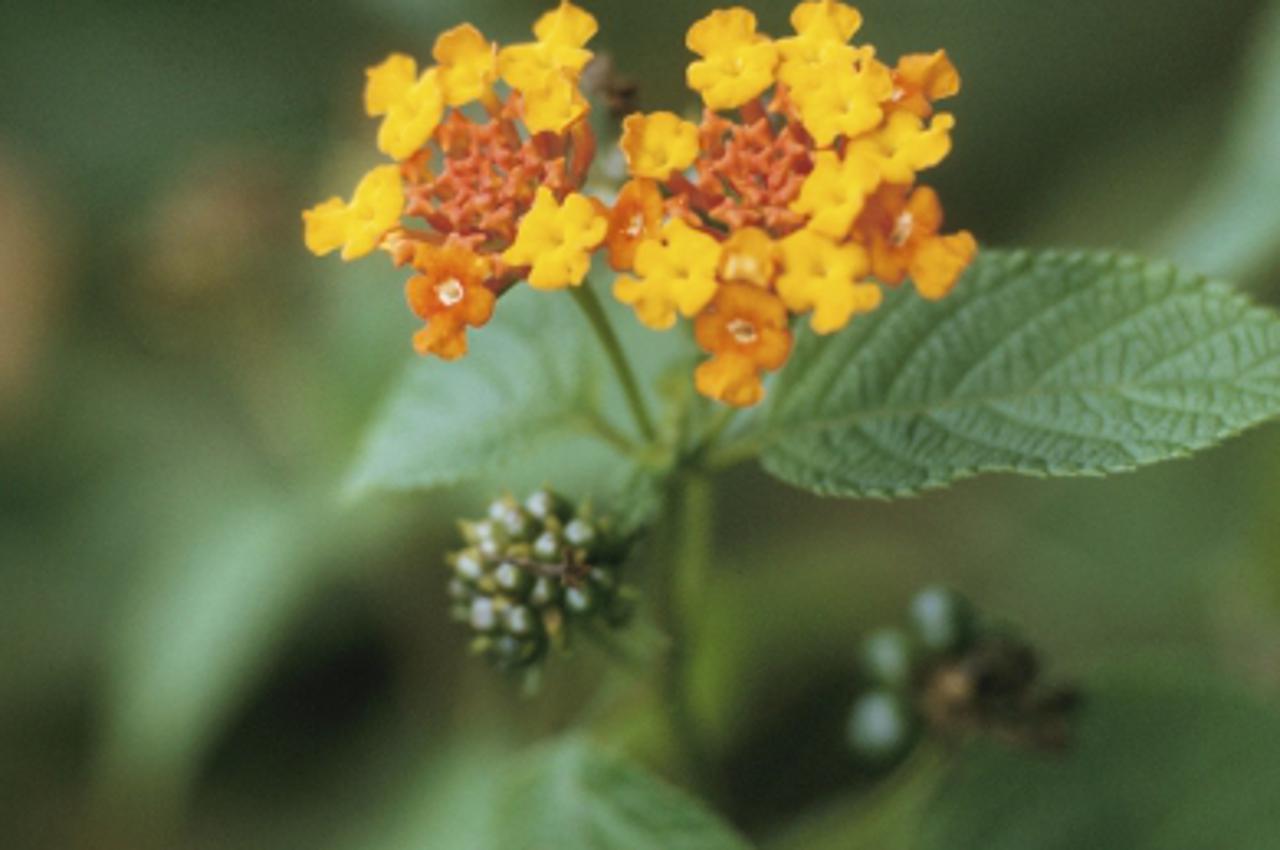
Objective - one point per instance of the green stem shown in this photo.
(681, 599)
(709, 440)
(591, 308)
(724, 457)
(888, 816)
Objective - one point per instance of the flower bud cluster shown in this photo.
(949, 674)
(531, 573)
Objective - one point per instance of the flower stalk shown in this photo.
(591, 308)
(685, 566)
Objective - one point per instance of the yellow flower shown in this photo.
(412, 118)
(826, 20)
(658, 144)
(836, 190)
(326, 226)
(904, 146)
(358, 227)
(556, 240)
(566, 26)
(675, 273)
(562, 35)
(748, 256)
(555, 106)
(468, 64)
(545, 72)
(388, 83)
(737, 62)
(827, 278)
(823, 30)
(844, 98)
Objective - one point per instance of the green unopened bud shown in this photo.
(579, 599)
(499, 507)
(888, 658)
(468, 565)
(514, 521)
(580, 533)
(530, 574)
(545, 592)
(484, 617)
(547, 546)
(881, 726)
(544, 505)
(518, 620)
(511, 578)
(491, 549)
(943, 621)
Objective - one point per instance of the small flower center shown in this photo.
(635, 226)
(902, 228)
(450, 292)
(742, 267)
(742, 331)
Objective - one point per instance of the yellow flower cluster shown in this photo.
(497, 200)
(803, 202)
(796, 193)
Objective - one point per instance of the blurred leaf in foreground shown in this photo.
(193, 634)
(1232, 226)
(568, 795)
(1165, 759)
(195, 638)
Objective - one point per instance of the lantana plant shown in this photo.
(783, 218)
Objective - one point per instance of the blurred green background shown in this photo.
(202, 645)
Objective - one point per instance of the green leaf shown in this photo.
(222, 594)
(1231, 226)
(576, 797)
(1165, 760)
(194, 639)
(569, 795)
(1049, 364)
(521, 409)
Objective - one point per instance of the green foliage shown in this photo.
(1232, 226)
(578, 798)
(528, 383)
(226, 595)
(222, 598)
(567, 794)
(522, 409)
(140, 663)
(1164, 760)
(1059, 364)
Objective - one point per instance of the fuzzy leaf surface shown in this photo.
(1042, 364)
(522, 409)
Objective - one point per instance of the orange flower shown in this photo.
(922, 78)
(748, 256)
(450, 295)
(486, 183)
(792, 196)
(635, 217)
(902, 232)
(745, 331)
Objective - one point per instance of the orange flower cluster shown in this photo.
(480, 198)
(802, 200)
(796, 193)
